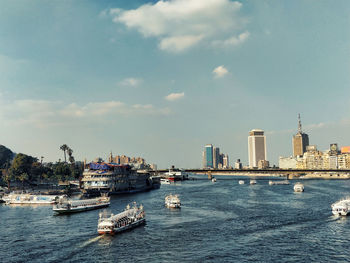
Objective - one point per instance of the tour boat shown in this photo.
(281, 182)
(241, 181)
(172, 201)
(65, 205)
(113, 224)
(342, 207)
(252, 181)
(298, 187)
(31, 199)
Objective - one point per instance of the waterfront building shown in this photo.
(208, 156)
(238, 164)
(263, 164)
(300, 141)
(345, 149)
(225, 161)
(287, 162)
(256, 147)
(216, 157)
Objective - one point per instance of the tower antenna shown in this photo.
(299, 124)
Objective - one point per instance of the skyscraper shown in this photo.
(216, 157)
(208, 154)
(300, 141)
(256, 147)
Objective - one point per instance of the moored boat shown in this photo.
(342, 207)
(66, 205)
(241, 182)
(172, 201)
(128, 219)
(298, 187)
(29, 199)
(280, 182)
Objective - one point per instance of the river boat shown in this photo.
(281, 182)
(128, 219)
(172, 201)
(241, 182)
(176, 175)
(298, 187)
(342, 207)
(252, 181)
(113, 178)
(65, 205)
(29, 199)
(213, 179)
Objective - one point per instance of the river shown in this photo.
(218, 222)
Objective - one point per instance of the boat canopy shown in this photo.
(106, 166)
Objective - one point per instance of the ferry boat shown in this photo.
(176, 175)
(282, 182)
(252, 181)
(298, 187)
(172, 201)
(241, 181)
(113, 224)
(31, 199)
(65, 205)
(342, 207)
(116, 179)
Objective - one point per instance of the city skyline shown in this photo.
(101, 75)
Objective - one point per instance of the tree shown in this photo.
(70, 154)
(61, 171)
(64, 148)
(23, 177)
(6, 155)
(22, 164)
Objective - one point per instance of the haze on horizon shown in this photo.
(160, 79)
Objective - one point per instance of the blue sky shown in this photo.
(162, 79)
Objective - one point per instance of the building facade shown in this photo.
(300, 141)
(256, 147)
(208, 155)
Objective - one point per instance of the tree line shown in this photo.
(29, 170)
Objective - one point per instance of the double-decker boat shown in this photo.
(66, 205)
(298, 187)
(172, 201)
(130, 218)
(116, 179)
(29, 199)
(342, 207)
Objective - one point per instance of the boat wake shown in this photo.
(90, 241)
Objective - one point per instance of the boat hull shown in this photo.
(79, 209)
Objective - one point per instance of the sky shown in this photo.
(160, 79)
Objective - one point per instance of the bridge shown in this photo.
(287, 173)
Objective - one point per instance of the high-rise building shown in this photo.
(300, 141)
(225, 161)
(208, 154)
(216, 157)
(256, 147)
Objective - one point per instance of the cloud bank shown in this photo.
(182, 24)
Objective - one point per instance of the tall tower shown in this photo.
(300, 141)
(208, 154)
(216, 157)
(256, 147)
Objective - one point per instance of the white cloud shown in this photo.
(181, 24)
(220, 71)
(175, 96)
(131, 82)
(232, 41)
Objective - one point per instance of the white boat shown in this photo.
(342, 207)
(252, 181)
(241, 182)
(172, 201)
(113, 224)
(298, 187)
(164, 181)
(25, 199)
(280, 182)
(213, 179)
(65, 205)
